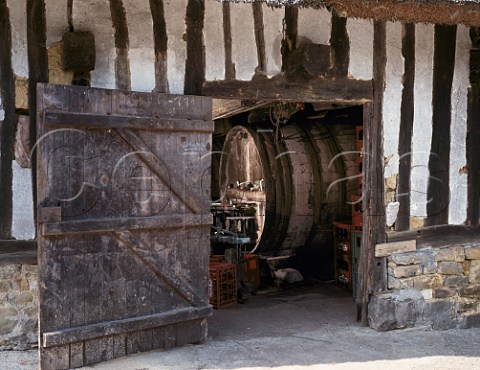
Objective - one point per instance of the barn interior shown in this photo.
(286, 197)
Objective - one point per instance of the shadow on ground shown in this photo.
(307, 328)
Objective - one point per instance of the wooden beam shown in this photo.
(373, 271)
(195, 64)
(227, 40)
(289, 44)
(406, 127)
(340, 43)
(160, 38)
(473, 160)
(387, 249)
(7, 127)
(437, 236)
(354, 92)
(37, 72)
(62, 119)
(106, 225)
(259, 36)
(87, 332)
(13, 246)
(122, 63)
(438, 193)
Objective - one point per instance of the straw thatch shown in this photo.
(409, 11)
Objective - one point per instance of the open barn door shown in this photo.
(123, 213)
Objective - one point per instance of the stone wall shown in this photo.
(18, 306)
(438, 287)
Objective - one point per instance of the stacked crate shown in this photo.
(356, 199)
(356, 245)
(223, 283)
(342, 254)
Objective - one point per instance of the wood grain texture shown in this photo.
(37, 70)
(340, 43)
(227, 40)
(73, 335)
(114, 259)
(259, 36)
(339, 91)
(160, 38)
(195, 63)
(7, 127)
(82, 120)
(122, 62)
(438, 193)
(289, 43)
(372, 271)
(473, 160)
(406, 128)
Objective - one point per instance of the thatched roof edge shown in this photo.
(448, 12)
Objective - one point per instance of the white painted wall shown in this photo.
(244, 49)
(273, 21)
(214, 42)
(422, 124)
(23, 227)
(142, 50)
(458, 177)
(94, 16)
(392, 98)
(175, 11)
(360, 32)
(314, 25)
(19, 36)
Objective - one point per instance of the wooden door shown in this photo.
(123, 214)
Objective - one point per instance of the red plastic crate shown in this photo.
(224, 285)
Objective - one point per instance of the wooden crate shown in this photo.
(224, 285)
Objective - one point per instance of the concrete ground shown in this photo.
(305, 328)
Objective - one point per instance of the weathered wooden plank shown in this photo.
(339, 90)
(57, 358)
(195, 63)
(160, 38)
(387, 249)
(82, 120)
(88, 332)
(439, 235)
(406, 128)
(289, 43)
(372, 271)
(259, 36)
(7, 127)
(227, 41)
(165, 337)
(98, 350)
(163, 272)
(438, 192)
(129, 103)
(163, 171)
(107, 225)
(122, 63)
(37, 70)
(191, 332)
(473, 160)
(341, 45)
(13, 246)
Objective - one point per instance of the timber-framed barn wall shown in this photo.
(413, 80)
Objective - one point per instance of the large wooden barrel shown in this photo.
(294, 177)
